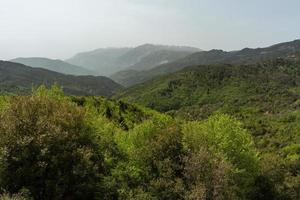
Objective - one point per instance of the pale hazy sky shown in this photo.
(61, 28)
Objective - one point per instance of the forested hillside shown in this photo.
(16, 78)
(255, 94)
(222, 85)
(264, 97)
(62, 147)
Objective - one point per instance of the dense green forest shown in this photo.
(54, 146)
(264, 97)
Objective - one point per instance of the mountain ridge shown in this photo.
(107, 61)
(290, 50)
(19, 78)
(53, 65)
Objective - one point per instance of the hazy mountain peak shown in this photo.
(147, 45)
(289, 50)
(107, 61)
(53, 65)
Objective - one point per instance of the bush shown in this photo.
(48, 148)
(224, 138)
(207, 177)
(153, 169)
(12, 197)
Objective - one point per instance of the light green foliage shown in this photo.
(154, 157)
(224, 137)
(292, 152)
(142, 133)
(4, 102)
(55, 92)
(12, 197)
(122, 114)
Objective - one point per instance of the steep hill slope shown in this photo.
(53, 65)
(289, 50)
(265, 97)
(220, 86)
(111, 60)
(15, 77)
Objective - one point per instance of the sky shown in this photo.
(61, 28)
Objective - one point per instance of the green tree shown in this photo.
(153, 169)
(207, 177)
(224, 138)
(48, 148)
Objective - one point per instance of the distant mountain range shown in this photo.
(53, 65)
(111, 60)
(289, 50)
(18, 78)
(129, 66)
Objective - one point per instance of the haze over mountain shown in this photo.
(245, 56)
(111, 60)
(60, 29)
(159, 57)
(18, 78)
(53, 65)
